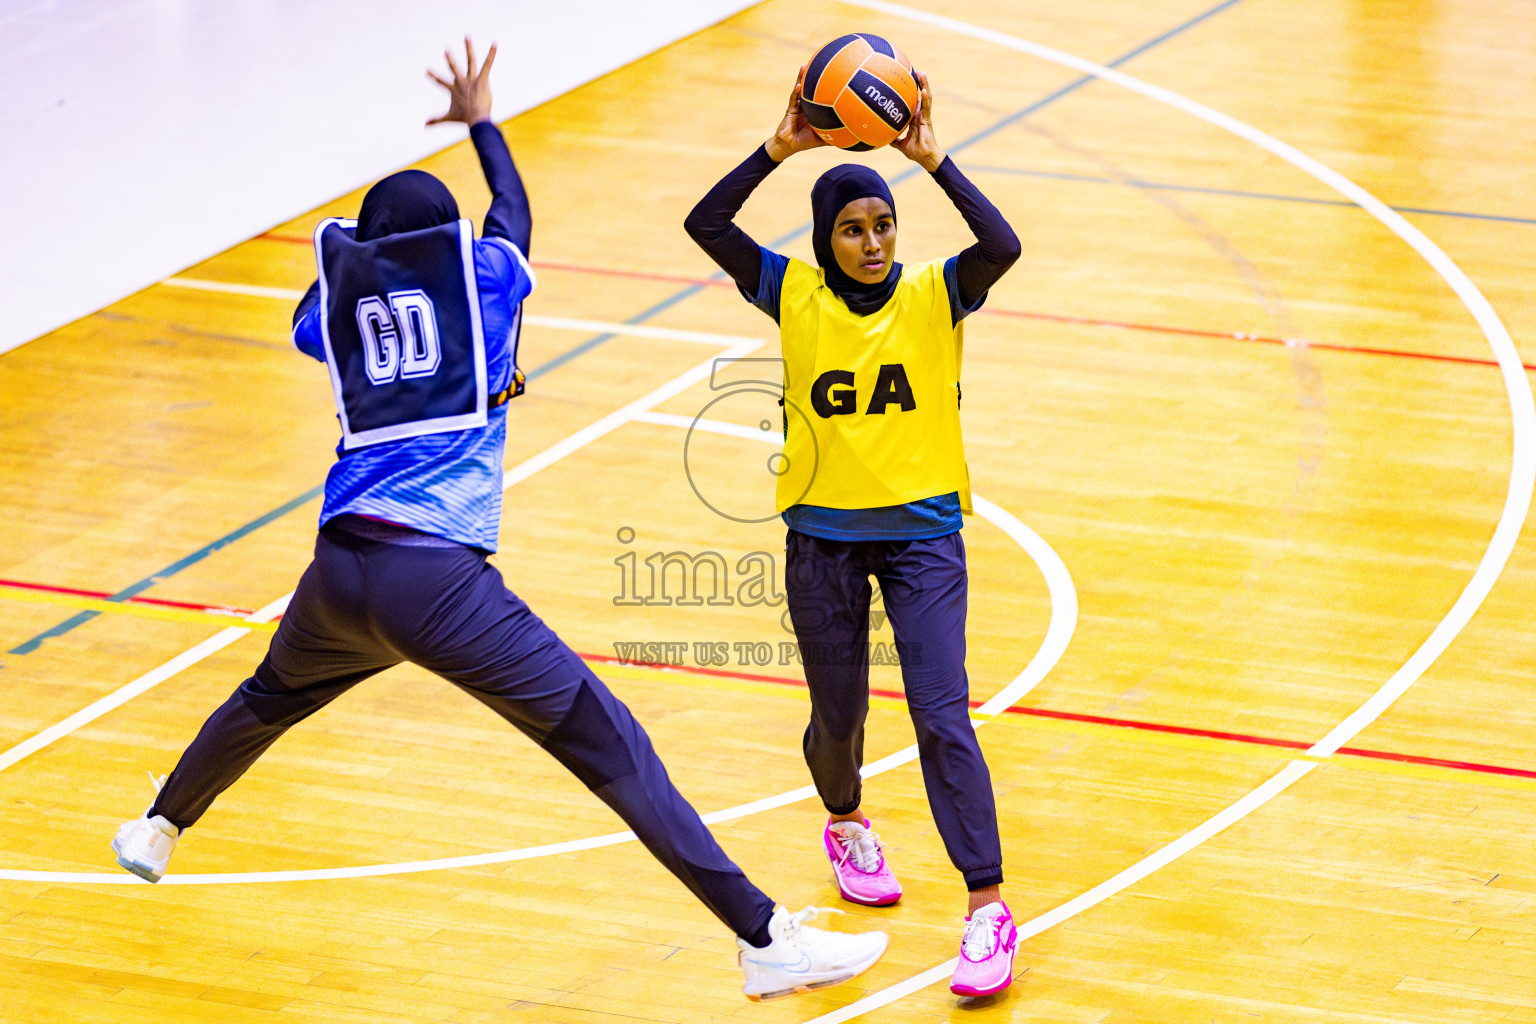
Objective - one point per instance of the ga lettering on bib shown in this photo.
(872, 403)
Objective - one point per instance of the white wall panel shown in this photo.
(139, 136)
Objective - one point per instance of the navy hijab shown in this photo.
(407, 201)
(833, 191)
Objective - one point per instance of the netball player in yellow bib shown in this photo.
(876, 485)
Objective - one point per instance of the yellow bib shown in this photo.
(872, 403)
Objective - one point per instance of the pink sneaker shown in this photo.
(859, 864)
(985, 966)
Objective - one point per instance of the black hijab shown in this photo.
(407, 201)
(833, 191)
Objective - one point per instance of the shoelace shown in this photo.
(800, 917)
(863, 846)
(981, 935)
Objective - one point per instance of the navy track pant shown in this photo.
(924, 584)
(363, 606)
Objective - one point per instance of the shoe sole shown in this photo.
(976, 993)
(868, 903)
(146, 873)
(813, 986)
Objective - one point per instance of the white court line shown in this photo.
(1522, 477)
(147, 681)
(676, 386)
(1058, 634)
(558, 323)
(739, 347)
(668, 419)
(1130, 876)
(232, 288)
(1058, 581)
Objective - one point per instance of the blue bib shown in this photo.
(402, 332)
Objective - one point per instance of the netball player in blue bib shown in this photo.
(875, 484)
(417, 322)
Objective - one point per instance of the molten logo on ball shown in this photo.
(886, 105)
(859, 92)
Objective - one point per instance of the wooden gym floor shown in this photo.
(1270, 445)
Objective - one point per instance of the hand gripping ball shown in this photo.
(859, 92)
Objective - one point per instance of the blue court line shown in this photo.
(175, 567)
(693, 290)
(593, 342)
(993, 129)
(1165, 186)
(1072, 87)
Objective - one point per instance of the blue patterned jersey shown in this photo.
(447, 484)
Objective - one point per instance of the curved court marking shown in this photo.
(1058, 581)
(1523, 472)
(1522, 478)
(737, 347)
(1058, 634)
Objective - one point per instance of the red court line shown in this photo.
(103, 595)
(1121, 723)
(1192, 332)
(1258, 339)
(1067, 716)
(1437, 762)
(639, 275)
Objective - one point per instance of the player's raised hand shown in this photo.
(794, 134)
(469, 94)
(918, 143)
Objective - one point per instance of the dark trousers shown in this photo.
(924, 585)
(363, 606)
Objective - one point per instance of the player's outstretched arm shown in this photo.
(712, 224)
(469, 91)
(469, 102)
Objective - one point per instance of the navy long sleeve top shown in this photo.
(759, 274)
(757, 271)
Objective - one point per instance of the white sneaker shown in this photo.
(144, 846)
(802, 958)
